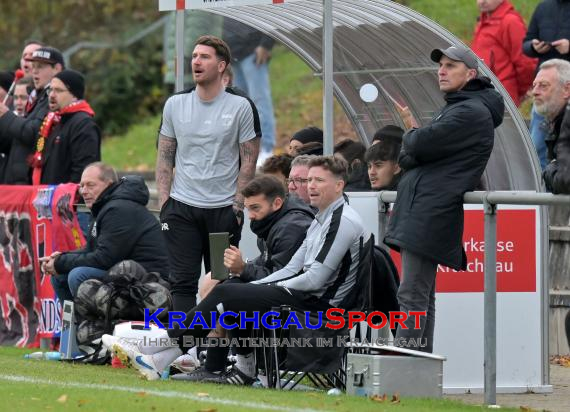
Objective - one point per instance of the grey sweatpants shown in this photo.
(417, 293)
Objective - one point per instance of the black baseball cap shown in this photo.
(49, 55)
(457, 53)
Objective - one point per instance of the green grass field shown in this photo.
(32, 385)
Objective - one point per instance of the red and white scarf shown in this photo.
(51, 120)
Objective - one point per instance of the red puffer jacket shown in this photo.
(498, 42)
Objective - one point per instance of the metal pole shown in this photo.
(328, 124)
(490, 303)
(383, 208)
(179, 84)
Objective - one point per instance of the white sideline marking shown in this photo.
(164, 394)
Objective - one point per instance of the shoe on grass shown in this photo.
(129, 354)
(198, 375)
(187, 363)
(232, 376)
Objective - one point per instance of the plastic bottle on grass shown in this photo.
(44, 355)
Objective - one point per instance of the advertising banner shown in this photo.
(34, 222)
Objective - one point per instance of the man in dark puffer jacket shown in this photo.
(442, 160)
(121, 229)
(280, 223)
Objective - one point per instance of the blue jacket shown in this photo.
(550, 21)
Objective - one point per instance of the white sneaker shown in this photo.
(188, 362)
(130, 355)
(109, 341)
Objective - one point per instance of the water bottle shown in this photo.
(43, 355)
(56, 356)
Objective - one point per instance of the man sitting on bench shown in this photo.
(320, 275)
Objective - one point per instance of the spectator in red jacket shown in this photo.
(498, 42)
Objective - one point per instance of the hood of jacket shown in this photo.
(292, 204)
(130, 187)
(501, 11)
(481, 88)
(358, 179)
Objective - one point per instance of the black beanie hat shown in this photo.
(74, 81)
(389, 132)
(6, 79)
(309, 134)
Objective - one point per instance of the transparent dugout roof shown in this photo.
(388, 45)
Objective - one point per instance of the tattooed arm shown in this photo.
(248, 152)
(164, 167)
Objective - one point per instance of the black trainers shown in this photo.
(233, 376)
(198, 375)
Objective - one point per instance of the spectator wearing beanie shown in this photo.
(69, 139)
(307, 138)
(388, 132)
(20, 133)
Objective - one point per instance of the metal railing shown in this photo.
(489, 200)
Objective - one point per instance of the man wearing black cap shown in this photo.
(20, 134)
(442, 160)
(69, 138)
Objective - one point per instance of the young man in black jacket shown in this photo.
(442, 160)
(121, 228)
(69, 139)
(18, 135)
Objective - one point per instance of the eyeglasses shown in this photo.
(297, 181)
(56, 90)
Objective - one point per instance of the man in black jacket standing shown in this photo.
(121, 229)
(69, 139)
(442, 160)
(18, 134)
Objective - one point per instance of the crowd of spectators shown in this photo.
(308, 235)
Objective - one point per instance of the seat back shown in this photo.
(360, 297)
(328, 360)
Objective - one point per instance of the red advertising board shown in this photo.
(34, 222)
(516, 254)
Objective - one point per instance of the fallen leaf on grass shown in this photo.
(202, 394)
(396, 398)
(141, 393)
(62, 399)
(379, 398)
